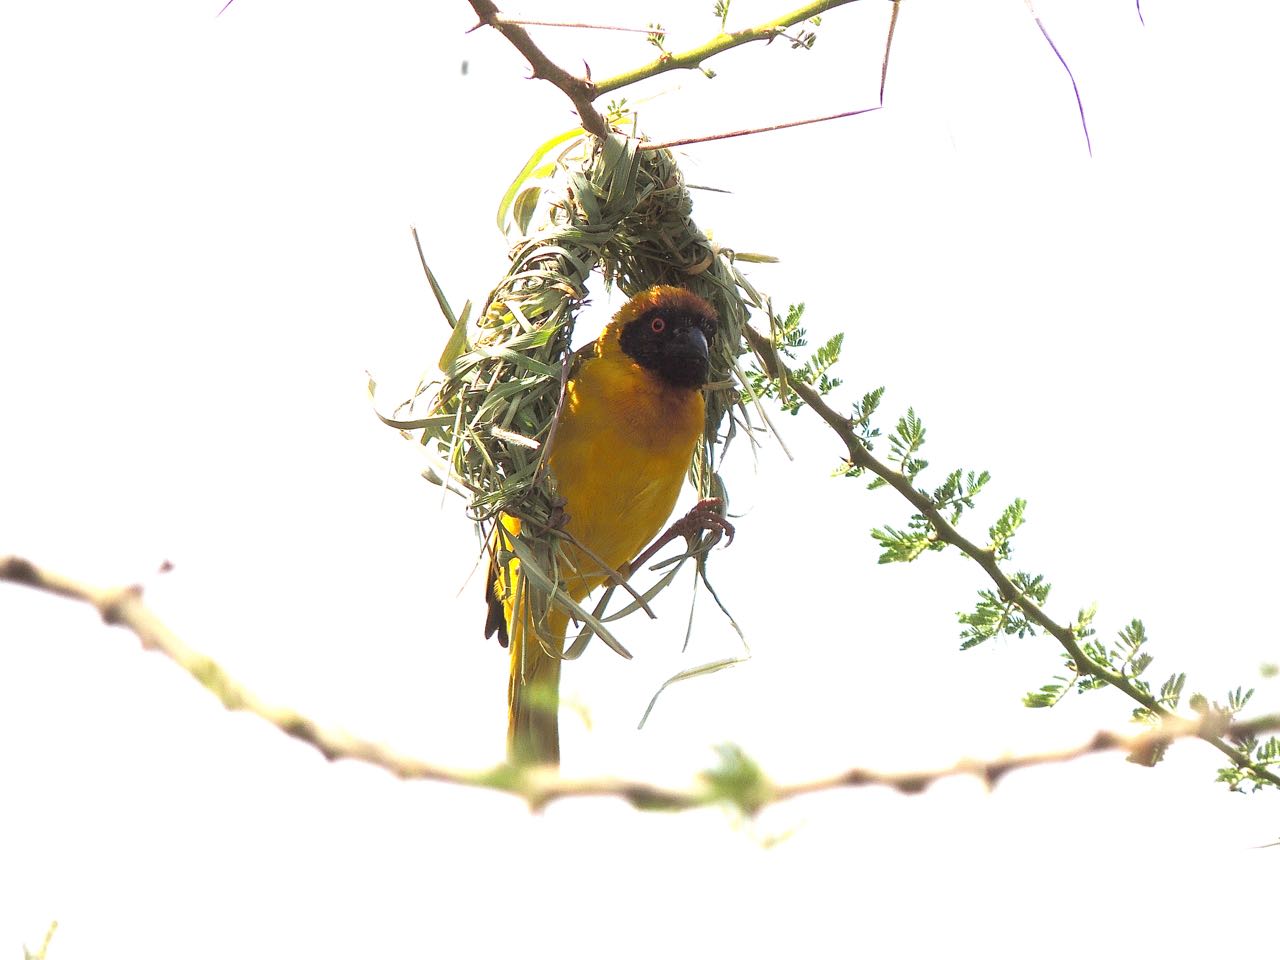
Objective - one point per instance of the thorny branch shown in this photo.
(860, 456)
(539, 786)
(583, 92)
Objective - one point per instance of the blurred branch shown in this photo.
(736, 781)
(43, 952)
(860, 456)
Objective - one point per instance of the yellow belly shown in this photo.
(619, 457)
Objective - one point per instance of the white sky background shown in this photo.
(205, 244)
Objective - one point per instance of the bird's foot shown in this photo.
(705, 516)
(558, 518)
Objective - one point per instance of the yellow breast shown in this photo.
(620, 455)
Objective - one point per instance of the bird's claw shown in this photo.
(705, 516)
(558, 518)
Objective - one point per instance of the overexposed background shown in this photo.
(204, 246)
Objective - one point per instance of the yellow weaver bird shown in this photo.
(632, 417)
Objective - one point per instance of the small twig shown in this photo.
(539, 786)
(1070, 76)
(575, 26)
(754, 130)
(43, 952)
(888, 44)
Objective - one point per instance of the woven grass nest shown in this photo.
(603, 205)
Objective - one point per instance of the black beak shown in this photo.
(687, 358)
(693, 341)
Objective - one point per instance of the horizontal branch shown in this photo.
(538, 786)
(693, 59)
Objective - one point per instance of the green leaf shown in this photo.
(1082, 628)
(530, 169)
(900, 546)
(1237, 700)
(956, 493)
(530, 568)
(1171, 690)
(1046, 696)
(737, 780)
(1004, 529)
(525, 206)
(722, 11)
(700, 671)
(441, 299)
(994, 616)
(457, 343)
(906, 439)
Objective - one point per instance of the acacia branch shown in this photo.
(580, 91)
(884, 74)
(539, 786)
(693, 59)
(860, 456)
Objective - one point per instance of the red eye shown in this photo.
(657, 324)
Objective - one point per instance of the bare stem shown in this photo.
(575, 26)
(746, 133)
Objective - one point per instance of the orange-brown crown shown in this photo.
(667, 331)
(667, 297)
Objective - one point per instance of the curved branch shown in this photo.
(539, 786)
(581, 92)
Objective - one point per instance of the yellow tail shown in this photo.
(533, 729)
(533, 691)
